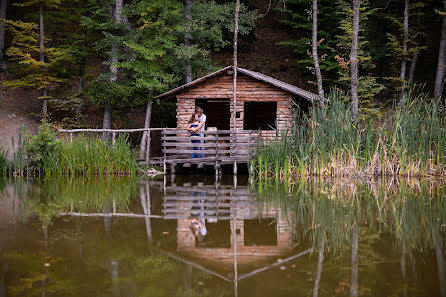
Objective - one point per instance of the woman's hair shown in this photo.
(192, 118)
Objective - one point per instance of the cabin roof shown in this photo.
(256, 75)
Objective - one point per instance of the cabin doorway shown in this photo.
(217, 111)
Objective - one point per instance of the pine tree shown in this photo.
(42, 4)
(31, 71)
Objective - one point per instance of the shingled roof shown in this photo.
(259, 76)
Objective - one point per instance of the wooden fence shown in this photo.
(217, 147)
(213, 148)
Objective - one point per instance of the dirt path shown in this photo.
(16, 111)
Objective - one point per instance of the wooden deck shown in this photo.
(217, 148)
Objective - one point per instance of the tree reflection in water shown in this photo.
(127, 256)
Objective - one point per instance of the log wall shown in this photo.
(248, 89)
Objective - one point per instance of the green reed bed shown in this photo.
(93, 156)
(410, 142)
(47, 155)
(4, 164)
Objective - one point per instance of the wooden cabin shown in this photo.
(264, 108)
(263, 103)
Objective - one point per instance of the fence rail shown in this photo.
(211, 147)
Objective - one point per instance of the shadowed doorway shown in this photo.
(217, 112)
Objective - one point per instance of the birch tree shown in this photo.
(117, 17)
(439, 78)
(404, 60)
(188, 17)
(354, 60)
(317, 68)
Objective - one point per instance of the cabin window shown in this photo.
(260, 232)
(259, 115)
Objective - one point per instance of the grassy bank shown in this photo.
(45, 154)
(327, 143)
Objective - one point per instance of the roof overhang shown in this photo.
(256, 75)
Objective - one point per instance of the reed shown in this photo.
(92, 156)
(4, 164)
(327, 143)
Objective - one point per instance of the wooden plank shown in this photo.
(186, 151)
(190, 138)
(114, 130)
(175, 131)
(211, 145)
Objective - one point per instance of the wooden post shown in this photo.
(113, 138)
(234, 99)
(235, 152)
(71, 137)
(217, 155)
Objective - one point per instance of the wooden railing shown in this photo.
(217, 147)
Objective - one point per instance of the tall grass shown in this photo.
(4, 164)
(410, 142)
(91, 156)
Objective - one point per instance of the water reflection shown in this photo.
(138, 238)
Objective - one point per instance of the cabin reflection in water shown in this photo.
(234, 221)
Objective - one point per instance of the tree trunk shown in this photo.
(354, 60)
(413, 65)
(317, 69)
(107, 123)
(404, 61)
(354, 263)
(188, 17)
(319, 267)
(441, 265)
(144, 192)
(42, 58)
(234, 95)
(145, 146)
(439, 79)
(3, 6)
(403, 273)
(80, 88)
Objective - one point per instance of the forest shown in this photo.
(76, 54)
(377, 67)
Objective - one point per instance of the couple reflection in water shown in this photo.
(196, 222)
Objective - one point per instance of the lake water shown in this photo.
(193, 237)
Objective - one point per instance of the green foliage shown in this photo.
(25, 51)
(414, 43)
(4, 163)
(43, 146)
(368, 86)
(411, 142)
(92, 156)
(300, 23)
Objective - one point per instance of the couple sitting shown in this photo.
(197, 122)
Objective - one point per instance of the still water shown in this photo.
(193, 237)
